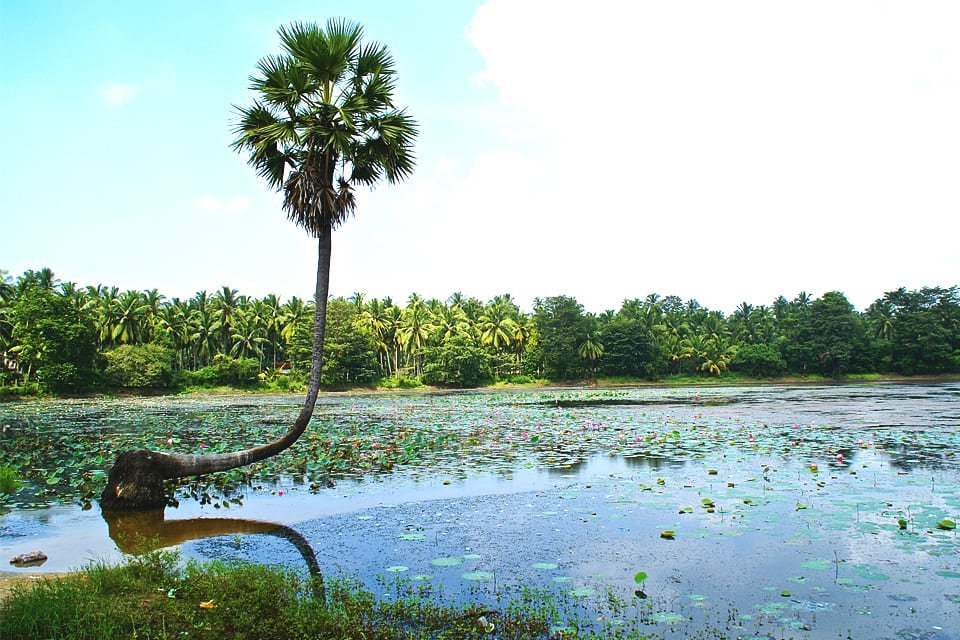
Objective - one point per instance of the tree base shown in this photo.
(135, 483)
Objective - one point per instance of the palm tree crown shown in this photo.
(325, 121)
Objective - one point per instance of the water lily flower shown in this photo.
(839, 457)
(203, 446)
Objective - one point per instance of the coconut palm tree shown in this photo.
(590, 350)
(415, 327)
(522, 328)
(496, 326)
(129, 318)
(449, 322)
(323, 122)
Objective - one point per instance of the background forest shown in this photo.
(60, 337)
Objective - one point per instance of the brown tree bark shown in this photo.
(137, 477)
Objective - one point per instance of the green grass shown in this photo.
(154, 597)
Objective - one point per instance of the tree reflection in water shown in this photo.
(139, 532)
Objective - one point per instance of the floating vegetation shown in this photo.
(597, 485)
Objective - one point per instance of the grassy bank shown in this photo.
(154, 596)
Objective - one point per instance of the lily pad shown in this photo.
(477, 576)
(398, 568)
(547, 566)
(446, 562)
(665, 617)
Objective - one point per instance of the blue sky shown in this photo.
(719, 151)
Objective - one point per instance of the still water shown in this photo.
(808, 512)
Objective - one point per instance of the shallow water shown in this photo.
(570, 489)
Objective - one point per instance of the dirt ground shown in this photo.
(9, 580)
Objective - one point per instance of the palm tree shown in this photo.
(323, 123)
(129, 318)
(374, 319)
(225, 303)
(590, 349)
(203, 335)
(154, 301)
(415, 326)
(522, 327)
(107, 314)
(496, 326)
(6, 286)
(172, 321)
(247, 336)
(716, 356)
(356, 299)
(449, 322)
(273, 321)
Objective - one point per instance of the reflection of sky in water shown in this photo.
(830, 538)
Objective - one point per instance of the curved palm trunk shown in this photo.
(136, 479)
(143, 531)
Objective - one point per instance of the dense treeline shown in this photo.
(62, 337)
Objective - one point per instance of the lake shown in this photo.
(774, 511)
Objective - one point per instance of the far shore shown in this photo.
(676, 381)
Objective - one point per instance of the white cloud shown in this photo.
(213, 204)
(722, 151)
(115, 94)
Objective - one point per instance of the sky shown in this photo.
(722, 151)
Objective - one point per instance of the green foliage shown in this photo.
(922, 329)
(823, 336)
(561, 327)
(458, 362)
(20, 390)
(400, 382)
(225, 371)
(518, 379)
(629, 350)
(349, 350)
(145, 365)
(241, 372)
(54, 340)
(759, 361)
(9, 479)
(208, 336)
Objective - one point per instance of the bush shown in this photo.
(20, 390)
(137, 366)
(225, 371)
(458, 362)
(402, 382)
(759, 360)
(519, 379)
(241, 372)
